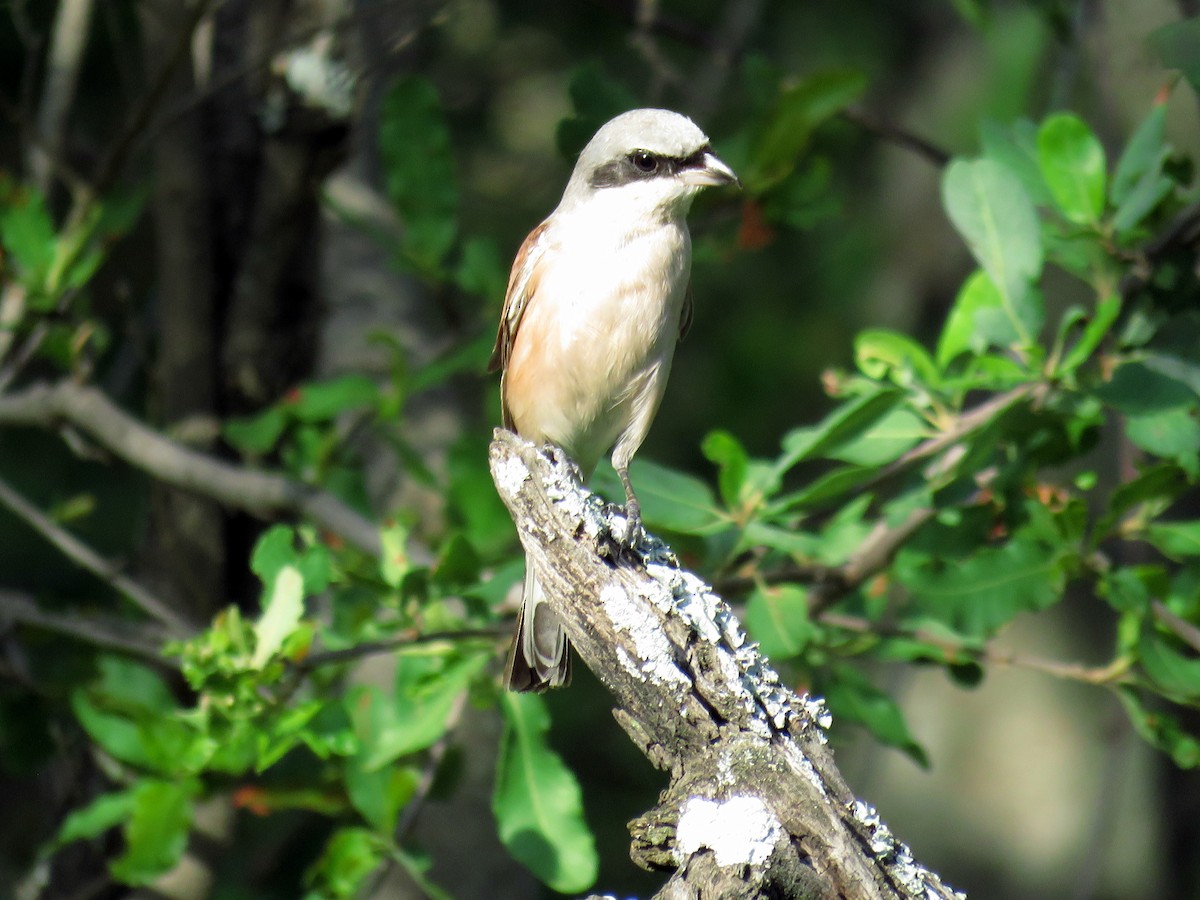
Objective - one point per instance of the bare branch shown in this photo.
(262, 494)
(897, 135)
(72, 24)
(409, 638)
(87, 558)
(108, 634)
(747, 757)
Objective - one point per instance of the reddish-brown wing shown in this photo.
(522, 287)
(521, 284)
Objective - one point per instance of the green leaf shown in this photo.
(351, 855)
(537, 801)
(256, 435)
(156, 832)
(1138, 389)
(885, 441)
(380, 794)
(727, 452)
(847, 422)
(1173, 434)
(1178, 47)
(27, 233)
(1015, 147)
(777, 617)
(670, 499)
(830, 486)
(105, 812)
(1073, 164)
(1176, 674)
(282, 612)
(979, 594)
(320, 401)
(991, 210)
(852, 698)
(883, 354)
(394, 562)
(115, 709)
(1143, 154)
(1160, 729)
(1100, 323)
(798, 110)
(1176, 540)
(429, 682)
(418, 162)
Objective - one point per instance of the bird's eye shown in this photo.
(643, 161)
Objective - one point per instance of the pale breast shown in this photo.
(605, 315)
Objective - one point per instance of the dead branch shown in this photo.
(755, 806)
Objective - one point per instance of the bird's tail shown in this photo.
(540, 657)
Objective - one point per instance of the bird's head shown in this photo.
(653, 160)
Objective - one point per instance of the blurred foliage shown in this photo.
(951, 484)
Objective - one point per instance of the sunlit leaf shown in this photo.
(1073, 164)
(853, 698)
(777, 617)
(537, 801)
(991, 210)
(156, 832)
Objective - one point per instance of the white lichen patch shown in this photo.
(740, 830)
(914, 879)
(649, 640)
(511, 473)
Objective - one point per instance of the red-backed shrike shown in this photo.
(597, 299)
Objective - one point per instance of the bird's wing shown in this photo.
(522, 286)
(685, 314)
(521, 283)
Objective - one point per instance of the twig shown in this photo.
(1101, 675)
(831, 583)
(409, 638)
(1181, 628)
(897, 135)
(104, 633)
(72, 24)
(709, 79)
(262, 494)
(114, 161)
(87, 558)
(433, 762)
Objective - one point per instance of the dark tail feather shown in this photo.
(540, 657)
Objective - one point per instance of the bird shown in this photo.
(598, 297)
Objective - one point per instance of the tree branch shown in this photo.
(262, 494)
(104, 633)
(87, 558)
(756, 806)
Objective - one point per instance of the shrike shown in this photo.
(597, 299)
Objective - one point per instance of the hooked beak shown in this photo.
(709, 172)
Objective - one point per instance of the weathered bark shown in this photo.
(755, 806)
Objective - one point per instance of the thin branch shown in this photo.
(437, 753)
(104, 633)
(262, 494)
(408, 638)
(1181, 628)
(897, 134)
(72, 25)
(114, 161)
(1109, 674)
(831, 583)
(87, 558)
